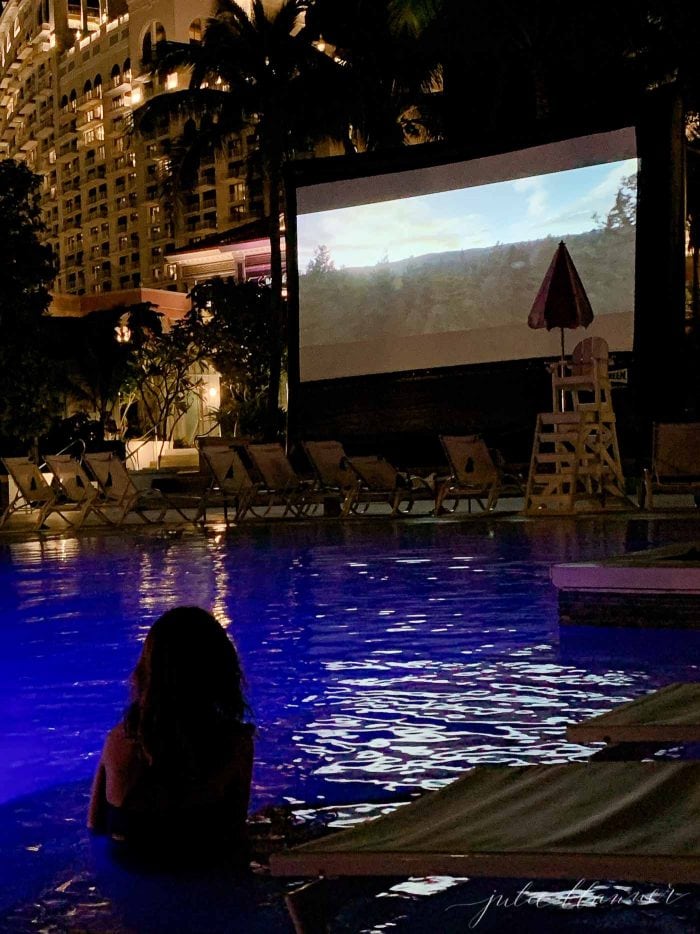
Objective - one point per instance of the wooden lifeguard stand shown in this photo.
(575, 463)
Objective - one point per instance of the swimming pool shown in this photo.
(380, 656)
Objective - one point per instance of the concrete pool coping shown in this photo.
(658, 588)
(635, 572)
(508, 509)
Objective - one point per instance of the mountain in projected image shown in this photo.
(458, 290)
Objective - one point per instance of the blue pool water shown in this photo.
(381, 657)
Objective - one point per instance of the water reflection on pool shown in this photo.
(380, 656)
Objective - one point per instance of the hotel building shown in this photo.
(71, 73)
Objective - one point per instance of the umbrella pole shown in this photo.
(561, 370)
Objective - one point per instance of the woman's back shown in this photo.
(173, 782)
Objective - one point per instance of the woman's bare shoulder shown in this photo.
(118, 744)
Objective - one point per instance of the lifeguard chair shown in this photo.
(575, 455)
(583, 383)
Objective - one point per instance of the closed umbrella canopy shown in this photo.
(561, 301)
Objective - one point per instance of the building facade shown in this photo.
(71, 73)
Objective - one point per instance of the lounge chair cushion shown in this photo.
(625, 819)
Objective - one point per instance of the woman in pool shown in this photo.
(173, 781)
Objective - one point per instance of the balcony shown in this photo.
(67, 152)
(119, 104)
(118, 83)
(198, 225)
(71, 184)
(90, 139)
(90, 98)
(87, 119)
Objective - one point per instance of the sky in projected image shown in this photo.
(525, 209)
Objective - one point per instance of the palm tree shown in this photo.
(255, 70)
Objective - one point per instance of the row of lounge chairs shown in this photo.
(108, 491)
(255, 477)
(250, 479)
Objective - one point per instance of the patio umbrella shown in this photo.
(561, 301)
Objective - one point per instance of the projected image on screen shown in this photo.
(448, 277)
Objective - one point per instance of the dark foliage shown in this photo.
(234, 324)
(29, 396)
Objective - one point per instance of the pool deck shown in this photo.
(508, 508)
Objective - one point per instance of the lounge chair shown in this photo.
(121, 494)
(230, 482)
(667, 717)
(75, 485)
(334, 476)
(35, 494)
(281, 485)
(473, 474)
(675, 462)
(637, 821)
(380, 482)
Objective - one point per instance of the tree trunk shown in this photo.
(695, 288)
(277, 338)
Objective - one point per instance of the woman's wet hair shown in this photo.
(187, 693)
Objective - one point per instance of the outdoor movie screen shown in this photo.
(439, 266)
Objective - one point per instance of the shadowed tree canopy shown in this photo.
(98, 366)
(28, 266)
(392, 76)
(232, 321)
(29, 399)
(515, 63)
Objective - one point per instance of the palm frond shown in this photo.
(189, 149)
(413, 16)
(175, 56)
(191, 103)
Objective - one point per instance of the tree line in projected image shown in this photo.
(464, 289)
